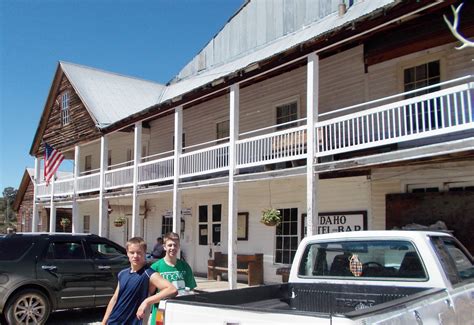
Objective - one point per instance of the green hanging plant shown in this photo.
(271, 217)
(119, 221)
(65, 222)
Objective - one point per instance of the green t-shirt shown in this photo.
(180, 275)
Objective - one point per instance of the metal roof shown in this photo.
(110, 97)
(328, 23)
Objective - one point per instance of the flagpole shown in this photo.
(52, 208)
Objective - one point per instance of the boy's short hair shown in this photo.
(136, 240)
(171, 235)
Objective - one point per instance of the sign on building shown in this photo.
(341, 222)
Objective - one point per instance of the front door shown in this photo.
(209, 235)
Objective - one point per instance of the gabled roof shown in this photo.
(110, 97)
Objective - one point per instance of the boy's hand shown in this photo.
(141, 310)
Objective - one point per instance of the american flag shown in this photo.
(52, 160)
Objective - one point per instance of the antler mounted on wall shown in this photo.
(454, 28)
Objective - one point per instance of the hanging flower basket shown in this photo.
(271, 217)
(119, 222)
(64, 222)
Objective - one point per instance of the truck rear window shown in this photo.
(12, 248)
(362, 259)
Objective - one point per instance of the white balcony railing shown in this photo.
(64, 186)
(156, 170)
(120, 177)
(441, 112)
(88, 183)
(205, 161)
(43, 190)
(285, 145)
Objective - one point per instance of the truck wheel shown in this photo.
(28, 306)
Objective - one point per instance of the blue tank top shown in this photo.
(133, 290)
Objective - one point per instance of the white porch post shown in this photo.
(233, 189)
(137, 154)
(178, 141)
(103, 202)
(36, 181)
(312, 179)
(75, 209)
(52, 207)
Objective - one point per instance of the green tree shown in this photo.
(8, 216)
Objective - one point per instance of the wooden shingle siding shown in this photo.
(81, 126)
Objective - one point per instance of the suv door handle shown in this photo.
(103, 267)
(49, 267)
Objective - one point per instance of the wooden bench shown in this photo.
(250, 265)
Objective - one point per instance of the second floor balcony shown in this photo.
(432, 112)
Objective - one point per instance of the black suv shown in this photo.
(42, 272)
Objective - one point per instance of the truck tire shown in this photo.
(29, 306)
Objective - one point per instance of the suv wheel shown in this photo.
(28, 306)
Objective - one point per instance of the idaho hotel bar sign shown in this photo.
(342, 221)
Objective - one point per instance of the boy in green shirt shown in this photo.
(171, 268)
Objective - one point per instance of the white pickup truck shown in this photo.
(364, 277)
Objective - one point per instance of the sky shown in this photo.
(148, 39)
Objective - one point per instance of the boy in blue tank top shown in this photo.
(135, 289)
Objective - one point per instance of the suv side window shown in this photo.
(104, 250)
(12, 248)
(65, 251)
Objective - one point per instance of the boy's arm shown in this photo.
(110, 306)
(166, 290)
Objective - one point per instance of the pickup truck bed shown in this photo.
(305, 297)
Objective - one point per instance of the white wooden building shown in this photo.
(334, 112)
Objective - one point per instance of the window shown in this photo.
(213, 224)
(425, 115)
(377, 259)
(86, 224)
(286, 113)
(455, 261)
(109, 158)
(129, 157)
(222, 130)
(287, 236)
(106, 251)
(88, 163)
(65, 251)
(166, 224)
(65, 119)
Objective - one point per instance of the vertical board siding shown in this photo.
(80, 128)
(25, 211)
(342, 80)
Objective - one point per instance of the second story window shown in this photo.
(425, 115)
(88, 163)
(65, 118)
(222, 130)
(286, 113)
(109, 158)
